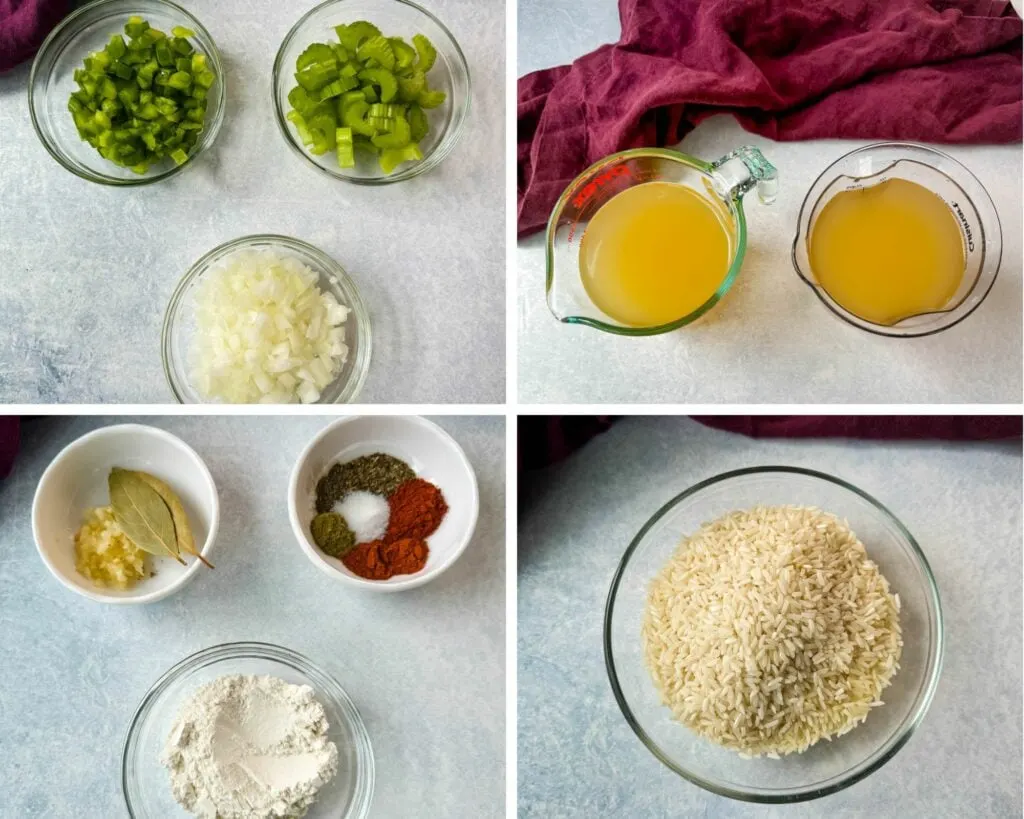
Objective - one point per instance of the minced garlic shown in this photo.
(104, 554)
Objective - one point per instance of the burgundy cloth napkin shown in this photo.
(546, 439)
(880, 427)
(944, 71)
(24, 25)
(8, 443)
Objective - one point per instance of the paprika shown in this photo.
(417, 509)
(381, 559)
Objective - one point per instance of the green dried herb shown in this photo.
(332, 534)
(379, 473)
(142, 514)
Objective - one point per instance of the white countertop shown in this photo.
(578, 759)
(88, 270)
(770, 340)
(425, 667)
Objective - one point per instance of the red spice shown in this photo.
(381, 559)
(417, 509)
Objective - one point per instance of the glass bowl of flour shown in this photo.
(177, 738)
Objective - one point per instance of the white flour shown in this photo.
(250, 747)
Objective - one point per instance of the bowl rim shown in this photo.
(350, 391)
(409, 581)
(443, 149)
(97, 594)
(883, 329)
(882, 755)
(363, 795)
(210, 134)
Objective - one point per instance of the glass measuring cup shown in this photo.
(942, 175)
(723, 182)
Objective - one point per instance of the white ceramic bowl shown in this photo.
(77, 479)
(428, 449)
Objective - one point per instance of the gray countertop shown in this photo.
(578, 757)
(424, 667)
(88, 270)
(771, 340)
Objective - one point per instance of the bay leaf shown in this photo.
(182, 528)
(142, 514)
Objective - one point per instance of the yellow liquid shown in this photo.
(888, 252)
(655, 253)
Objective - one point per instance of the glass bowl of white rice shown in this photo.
(828, 765)
(235, 322)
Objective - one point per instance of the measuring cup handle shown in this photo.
(737, 173)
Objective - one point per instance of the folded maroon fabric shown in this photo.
(945, 71)
(879, 427)
(8, 443)
(24, 25)
(546, 439)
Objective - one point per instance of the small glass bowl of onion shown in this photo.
(242, 327)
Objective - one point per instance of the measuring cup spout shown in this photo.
(742, 170)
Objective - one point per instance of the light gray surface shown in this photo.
(771, 340)
(577, 755)
(88, 270)
(424, 667)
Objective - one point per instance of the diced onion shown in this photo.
(265, 332)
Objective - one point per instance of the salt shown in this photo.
(366, 514)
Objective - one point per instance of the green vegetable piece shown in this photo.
(370, 93)
(398, 136)
(377, 48)
(425, 51)
(181, 80)
(380, 109)
(205, 80)
(391, 158)
(383, 79)
(345, 148)
(116, 47)
(301, 100)
(121, 71)
(183, 64)
(350, 97)
(164, 55)
(135, 26)
(318, 75)
(405, 54)
(380, 124)
(316, 53)
(431, 99)
(181, 31)
(410, 88)
(355, 119)
(418, 124)
(182, 46)
(336, 88)
(179, 156)
(353, 35)
(350, 69)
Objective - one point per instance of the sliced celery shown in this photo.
(345, 148)
(379, 49)
(425, 51)
(365, 92)
(383, 79)
(397, 136)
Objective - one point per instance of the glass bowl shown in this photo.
(395, 18)
(179, 323)
(965, 196)
(825, 767)
(145, 782)
(51, 82)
